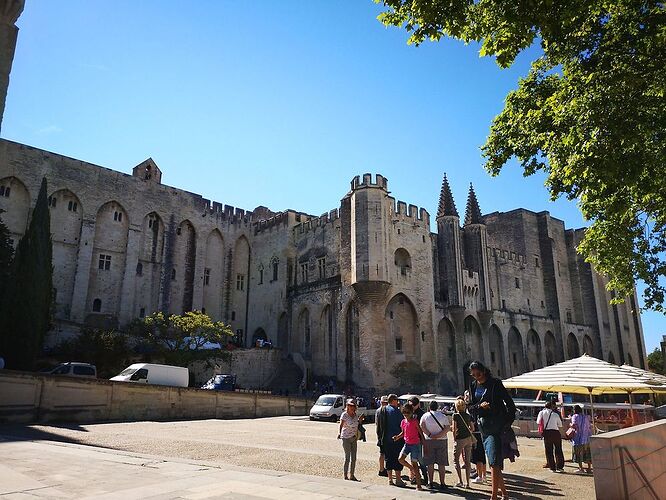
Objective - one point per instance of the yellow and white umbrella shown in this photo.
(647, 376)
(587, 375)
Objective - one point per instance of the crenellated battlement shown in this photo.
(365, 181)
(316, 222)
(400, 210)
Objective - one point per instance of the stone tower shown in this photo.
(10, 10)
(449, 248)
(475, 243)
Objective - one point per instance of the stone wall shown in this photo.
(254, 368)
(629, 463)
(29, 398)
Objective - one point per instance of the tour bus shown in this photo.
(149, 373)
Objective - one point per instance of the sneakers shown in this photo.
(559, 470)
(458, 485)
(382, 473)
(477, 480)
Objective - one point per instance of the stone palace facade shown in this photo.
(349, 294)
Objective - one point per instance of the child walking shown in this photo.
(413, 436)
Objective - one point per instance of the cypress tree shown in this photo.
(6, 254)
(28, 295)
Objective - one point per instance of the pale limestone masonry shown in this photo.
(348, 294)
(10, 10)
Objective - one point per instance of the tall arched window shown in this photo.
(97, 305)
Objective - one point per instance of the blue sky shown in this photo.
(266, 103)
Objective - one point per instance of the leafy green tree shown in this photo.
(26, 306)
(591, 114)
(655, 361)
(180, 340)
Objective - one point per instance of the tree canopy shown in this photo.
(591, 114)
(181, 339)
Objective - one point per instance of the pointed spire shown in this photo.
(446, 204)
(472, 212)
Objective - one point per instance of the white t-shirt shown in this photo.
(349, 425)
(550, 422)
(428, 421)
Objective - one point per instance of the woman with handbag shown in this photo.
(349, 423)
(579, 433)
(549, 423)
(464, 440)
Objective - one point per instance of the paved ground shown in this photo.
(263, 458)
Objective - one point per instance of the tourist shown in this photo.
(380, 417)
(582, 426)
(390, 427)
(550, 422)
(418, 413)
(435, 426)
(349, 422)
(410, 432)
(478, 451)
(463, 434)
(496, 410)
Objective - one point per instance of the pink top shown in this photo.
(411, 430)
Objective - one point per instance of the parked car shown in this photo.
(149, 373)
(331, 406)
(74, 369)
(223, 382)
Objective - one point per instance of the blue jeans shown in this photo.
(412, 449)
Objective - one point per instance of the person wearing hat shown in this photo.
(349, 422)
(379, 421)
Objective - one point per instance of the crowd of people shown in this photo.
(412, 439)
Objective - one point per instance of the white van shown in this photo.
(149, 373)
(331, 406)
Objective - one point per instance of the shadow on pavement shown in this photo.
(12, 432)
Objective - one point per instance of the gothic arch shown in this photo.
(15, 203)
(259, 334)
(534, 356)
(402, 339)
(473, 339)
(107, 269)
(66, 219)
(588, 345)
(611, 357)
(213, 277)
(553, 352)
(447, 357)
(516, 353)
(150, 265)
(497, 362)
(152, 238)
(573, 349)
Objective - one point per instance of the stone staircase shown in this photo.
(287, 378)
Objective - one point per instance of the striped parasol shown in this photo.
(587, 375)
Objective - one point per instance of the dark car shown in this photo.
(221, 383)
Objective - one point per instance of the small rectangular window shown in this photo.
(142, 312)
(398, 344)
(275, 271)
(492, 356)
(321, 264)
(536, 262)
(517, 282)
(304, 273)
(233, 315)
(240, 282)
(569, 317)
(261, 276)
(52, 202)
(206, 277)
(558, 268)
(104, 262)
(503, 304)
